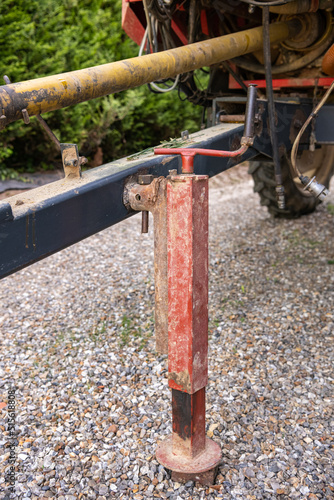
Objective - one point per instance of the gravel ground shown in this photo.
(91, 393)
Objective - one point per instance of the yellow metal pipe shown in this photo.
(58, 91)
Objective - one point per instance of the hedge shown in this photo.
(45, 37)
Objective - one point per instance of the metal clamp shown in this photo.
(71, 160)
(144, 179)
(69, 152)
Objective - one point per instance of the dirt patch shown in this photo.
(11, 192)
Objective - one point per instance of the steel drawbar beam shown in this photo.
(58, 91)
(47, 219)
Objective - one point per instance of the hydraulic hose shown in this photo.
(315, 188)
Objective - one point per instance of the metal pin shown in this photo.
(144, 221)
(47, 129)
(26, 117)
(2, 120)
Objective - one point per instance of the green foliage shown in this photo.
(55, 36)
(8, 173)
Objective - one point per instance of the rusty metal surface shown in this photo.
(153, 198)
(144, 221)
(188, 423)
(202, 468)
(26, 120)
(205, 478)
(54, 92)
(232, 118)
(187, 452)
(71, 160)
(187, 215)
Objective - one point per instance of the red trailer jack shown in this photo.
(188, 453)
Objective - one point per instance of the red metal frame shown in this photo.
(130, 22)
(135, 30)
(204, 22)
(279, 83)
(178, 28)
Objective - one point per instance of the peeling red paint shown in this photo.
(188, 453)
(187, 223)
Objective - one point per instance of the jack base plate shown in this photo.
(202, 469)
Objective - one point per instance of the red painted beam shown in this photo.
(131, 24)
(187, 227)
(279, 83)
(188, 452)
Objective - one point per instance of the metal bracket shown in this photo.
(150, 195)
(144, 179)
(71, 160)
(69, 152)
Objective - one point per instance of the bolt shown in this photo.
(144, 179)
(71, 163)
(82, 160)
(25, 115)
(144, 222)
(297, 123)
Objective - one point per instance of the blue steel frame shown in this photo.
(40, 222)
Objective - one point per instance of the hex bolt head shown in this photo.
(145, 179)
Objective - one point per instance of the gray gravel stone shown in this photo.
(92, 396)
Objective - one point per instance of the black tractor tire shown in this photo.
(297, 201)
